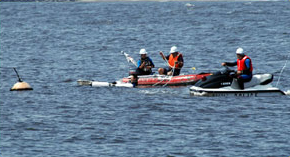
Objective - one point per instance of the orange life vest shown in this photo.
(242, 65)
(172, 60)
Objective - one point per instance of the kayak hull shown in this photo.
(257, 91)
(104, 84)
(111, 84)
(162, 80)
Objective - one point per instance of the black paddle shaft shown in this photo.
(19, 79)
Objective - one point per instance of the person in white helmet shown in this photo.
(175, 62)
(144, 67)
(144, 64)
(244, 67)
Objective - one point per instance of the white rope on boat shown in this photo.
(282, 70)
(172, 70)
(159, 81)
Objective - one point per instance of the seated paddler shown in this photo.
(244, 67)
(175, 62)
(144, 66)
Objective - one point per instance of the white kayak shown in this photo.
(104, 84)
(256, 91)
(222, 84)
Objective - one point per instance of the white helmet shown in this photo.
(240, 51)
(143, 52)
(173, 49)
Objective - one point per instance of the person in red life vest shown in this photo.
(175, 62)
(244, 67)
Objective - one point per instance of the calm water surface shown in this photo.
(54, 44)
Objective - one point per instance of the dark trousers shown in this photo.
(241, 81)
(142, 72)
(176, 71)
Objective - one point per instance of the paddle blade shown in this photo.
(129, 58)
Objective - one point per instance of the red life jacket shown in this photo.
(172, 60)
(242, 65)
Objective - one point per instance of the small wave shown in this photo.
(149, 92)
(72, 139)
(159, 90)
(31, 129)
(68, 80)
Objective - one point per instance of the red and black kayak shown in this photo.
(164, 80)
(148, 80)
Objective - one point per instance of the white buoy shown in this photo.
(20, 85)
(189, 5)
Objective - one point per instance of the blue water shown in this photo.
(52, 45)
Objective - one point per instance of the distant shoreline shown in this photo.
(143, 0)
(176, 0)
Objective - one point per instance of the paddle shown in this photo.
(19, 79)
(164, 58)
(129, 58)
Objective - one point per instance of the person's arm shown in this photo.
(139, 65)
(248, 66)
(229, 64)
(152, 64)
(167, 57)
(162, 55)
(180, 61)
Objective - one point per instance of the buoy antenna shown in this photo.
(19, 79)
